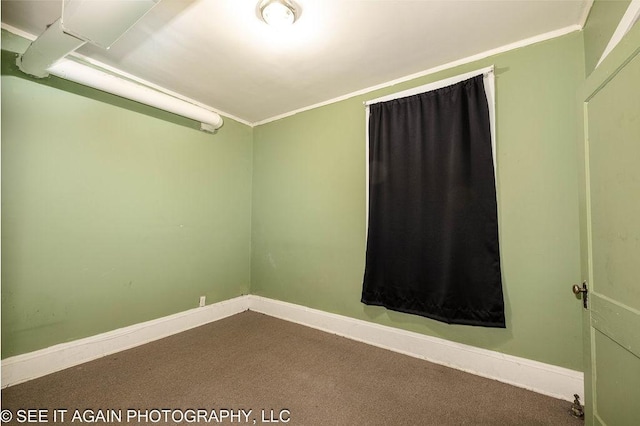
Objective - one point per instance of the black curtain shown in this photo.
(432, 246)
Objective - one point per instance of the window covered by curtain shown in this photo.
(432, 246)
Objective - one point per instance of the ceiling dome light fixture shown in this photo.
(278, 13)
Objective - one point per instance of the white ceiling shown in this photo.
(219, 53)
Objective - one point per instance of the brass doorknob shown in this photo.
(577, 289)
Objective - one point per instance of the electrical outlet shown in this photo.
(203, 300)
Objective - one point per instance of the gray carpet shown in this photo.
(280, 371)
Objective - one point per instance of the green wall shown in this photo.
(111, 217)
(601, 24)
(308, 222)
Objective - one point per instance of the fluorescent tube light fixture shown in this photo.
(102, 23)
(278, 13)
(107, 82)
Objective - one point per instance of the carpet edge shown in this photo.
(21, 368)
(546, 379)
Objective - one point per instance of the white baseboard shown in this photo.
(539, 377)
(22, 368)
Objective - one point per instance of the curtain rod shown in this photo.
(431, 86)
